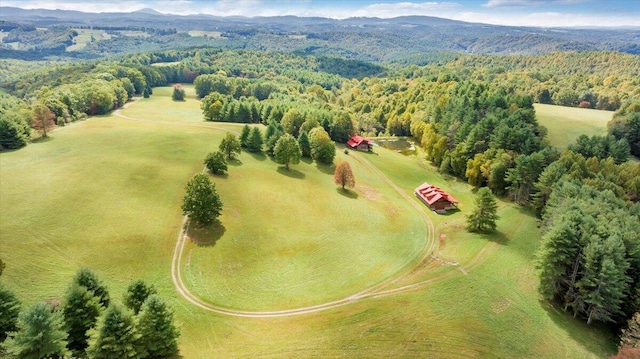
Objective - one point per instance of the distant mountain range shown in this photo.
(405, 39)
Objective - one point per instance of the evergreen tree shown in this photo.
(255, 140)
(80, 311)
(158, 332)
(89, 280)
(137, 292)
(201, 201)
(9, 311)
(115, 336)
(216, 163)
(484, 216)
(230, 145)
(39, 334)
(305, 146)
(287, 151)
(11, 134)
(244, 136)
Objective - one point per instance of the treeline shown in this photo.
(626, 125)
(88, 323)
(600, 80)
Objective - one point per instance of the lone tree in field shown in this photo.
(484, 216)
(230, 145)
(201, 201)
(287, 151)
(42, 118)
(178, 93)
(343, 175)
(39, 334)
(216, 163)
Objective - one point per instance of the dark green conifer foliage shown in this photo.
(305, 146)
(115, 336)
(157, 329)
(9, 311)
(137, 292)
(255, 140)
(80, 311)
(39, 334)
(244, 136)
(484, 216)
(89, 280)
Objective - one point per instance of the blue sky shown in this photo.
(503, 12)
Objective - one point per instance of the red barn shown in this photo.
(359, 143)
(435, 198)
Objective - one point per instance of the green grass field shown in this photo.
(105, 193)
(565, 124)
(84, 37)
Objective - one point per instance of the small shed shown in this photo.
(435, 198)
(359, 143)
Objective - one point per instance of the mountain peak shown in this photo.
(147, 10)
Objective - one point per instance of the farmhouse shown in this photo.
(359, 143)
(435, 198)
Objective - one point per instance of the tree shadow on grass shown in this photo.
(347, 193)
(220, 175)
(234, 162)
(260, 156)
(496, 237)
(290, 172)
(42, 139)
(206, 236)
(568, 323)
(326, 169)
(307, 160)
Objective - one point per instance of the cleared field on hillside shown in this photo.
(565, 124)
(106, 193)
(85, 36)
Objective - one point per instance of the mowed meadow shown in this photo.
(566, 124)
(105, 194)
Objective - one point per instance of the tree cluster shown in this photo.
(89, 324)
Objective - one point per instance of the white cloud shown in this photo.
(549, 19)
(521, 3)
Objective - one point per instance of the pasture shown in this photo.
(105, 193)
(566, 124)
(86, 36)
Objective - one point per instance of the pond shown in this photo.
(396, 144)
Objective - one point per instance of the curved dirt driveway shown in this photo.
(375, 291)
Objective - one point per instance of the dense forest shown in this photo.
(473, 117)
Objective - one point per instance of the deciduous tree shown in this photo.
(42, 118)
(322, 148)
(343, 175)
(230, 145)
(484, 216)
(201, 201)
(287, 150)
(216, 162)
(178, 93)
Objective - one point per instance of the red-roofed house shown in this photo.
(435, 198)
(359, 143)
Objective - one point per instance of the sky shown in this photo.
(545, 13)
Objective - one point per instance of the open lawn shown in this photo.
(84, 37)
(105, 193)
(565, 124)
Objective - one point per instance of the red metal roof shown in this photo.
(356, 140)
(432, 194)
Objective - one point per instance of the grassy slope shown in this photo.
(565, 124)
(105, 194)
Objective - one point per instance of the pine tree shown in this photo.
(343, 175)
(305, 146)
(155, 325)
(255, 140)
(89, 280)
(9, 311)
(137, 292)
(201, 201)
(244, 136)
(484, 216)
(39, 334)
(80, 311)
(115, 336)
